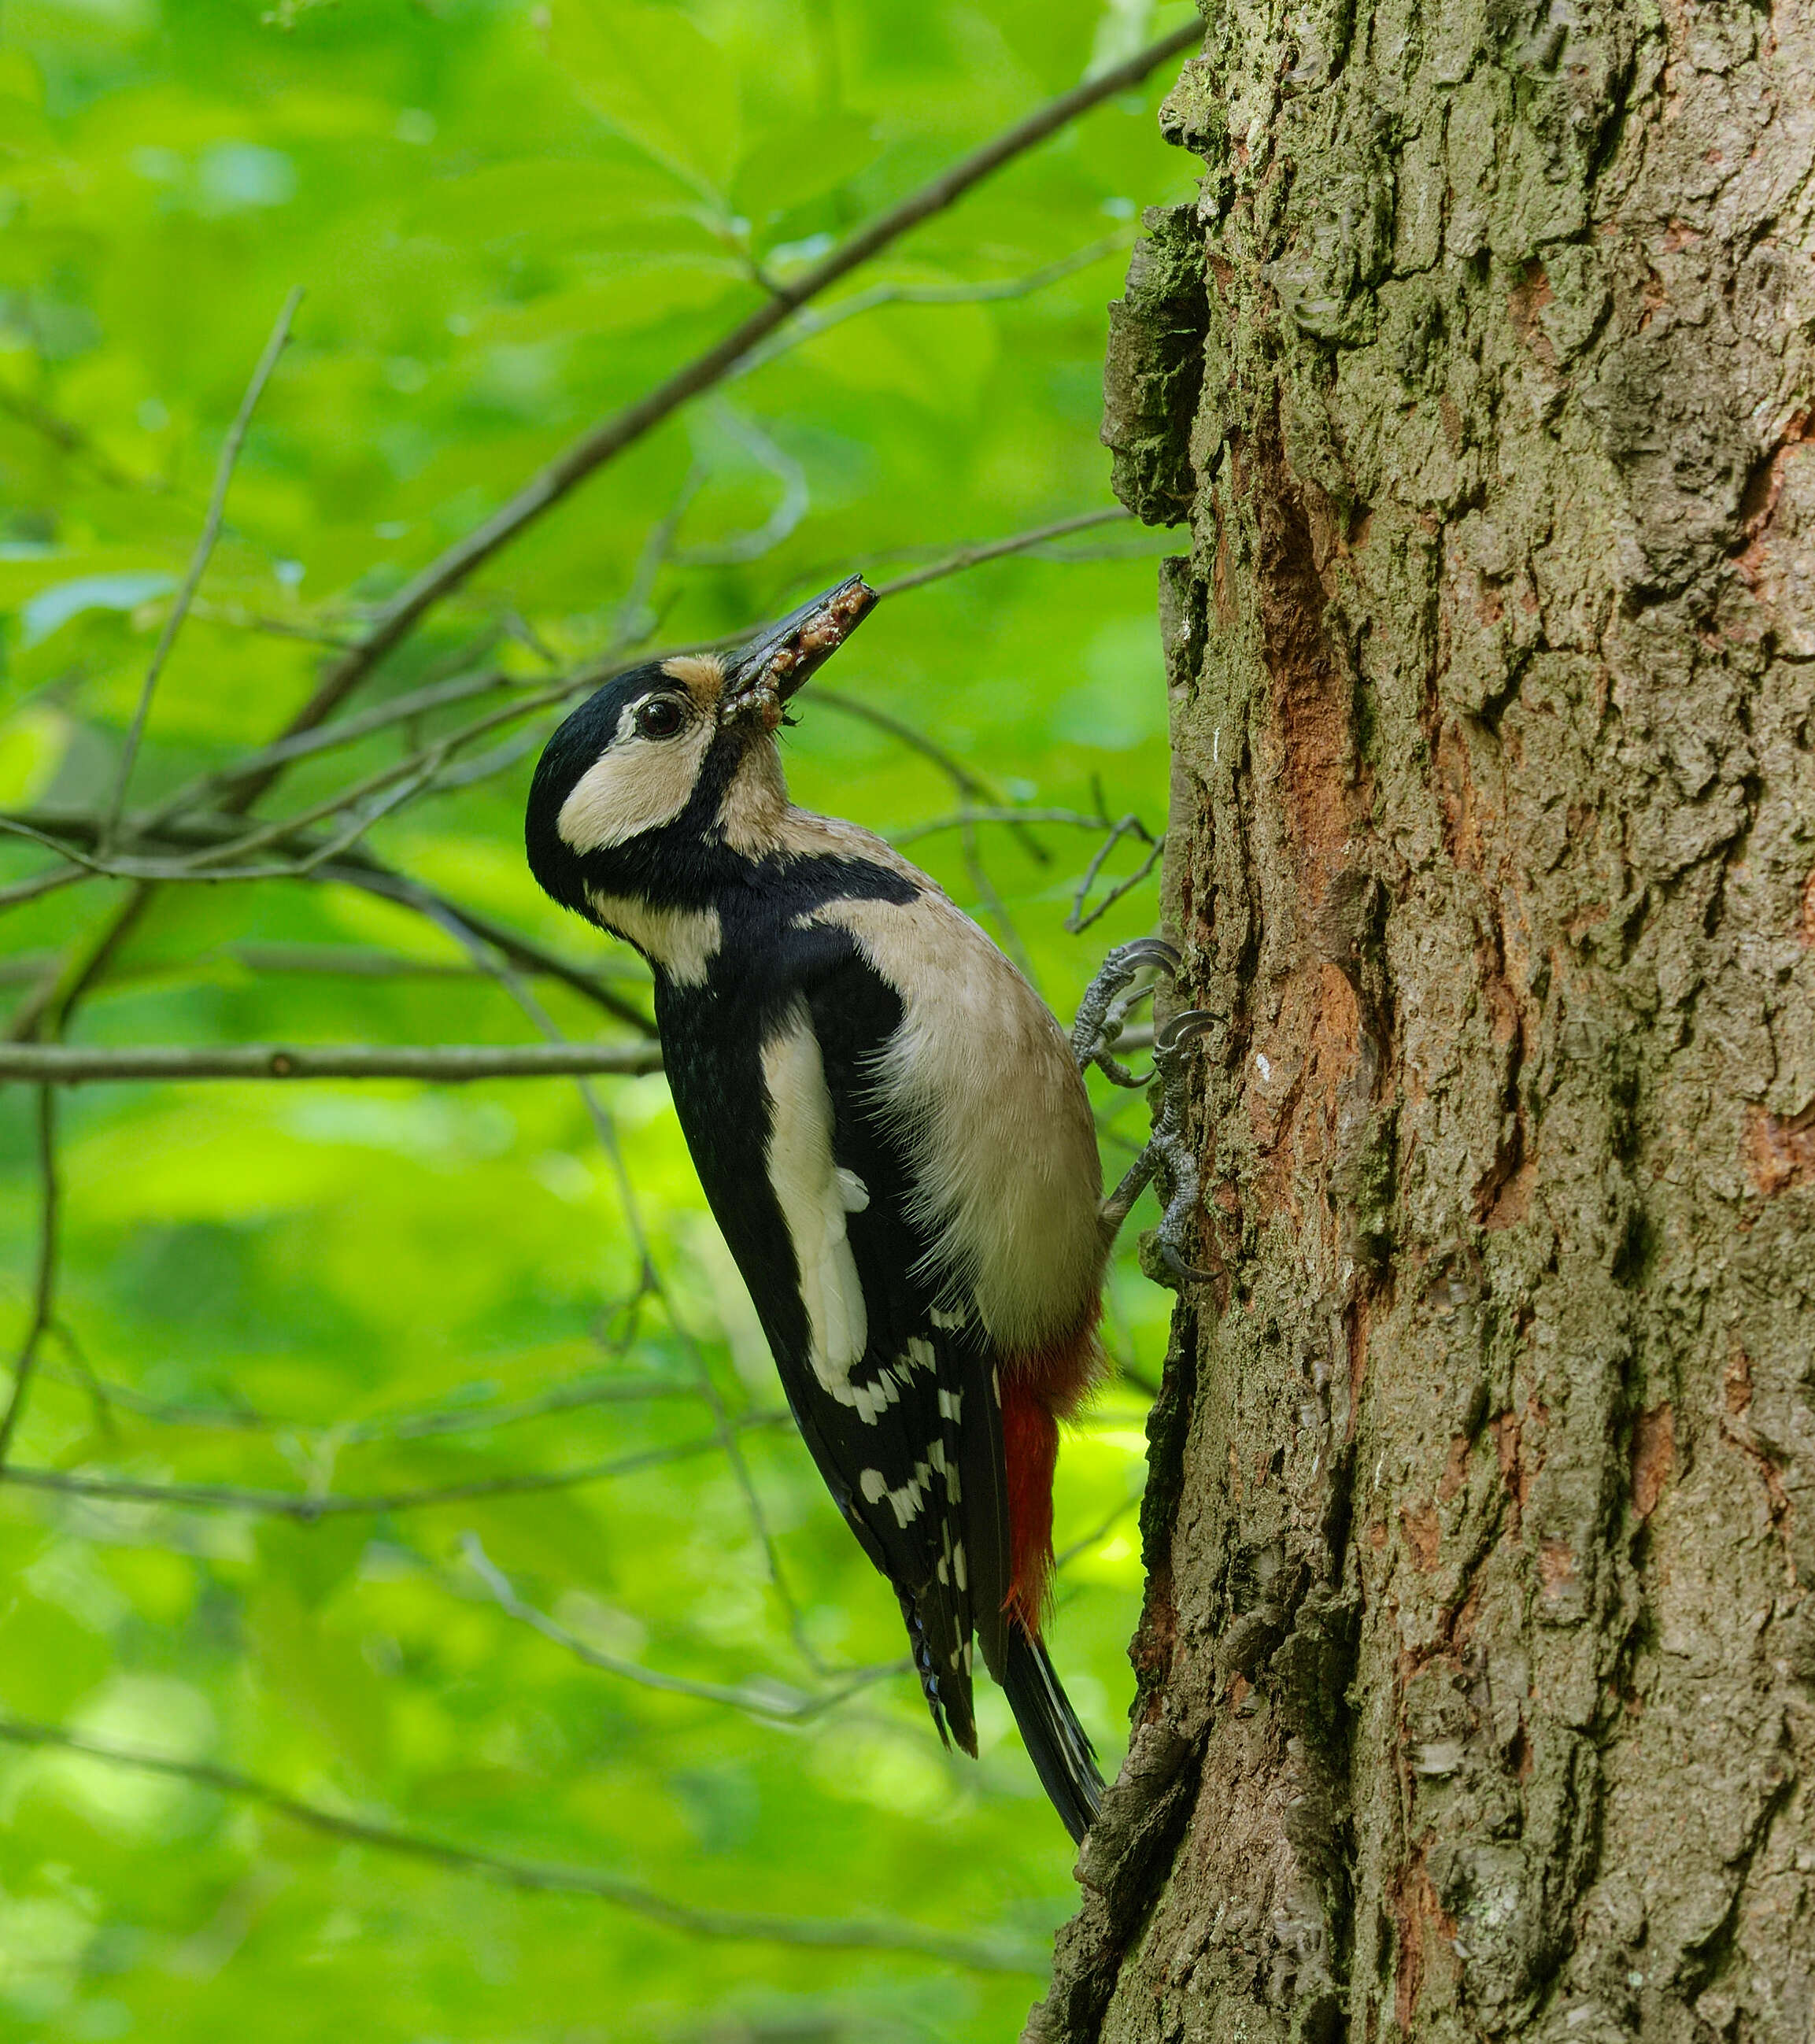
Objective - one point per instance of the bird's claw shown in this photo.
(1106, 1001)
(1177, 1030)
(1168, 1157)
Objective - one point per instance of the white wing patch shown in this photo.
(815, 1194)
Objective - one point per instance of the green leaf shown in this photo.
(658, 80)
(801, 160)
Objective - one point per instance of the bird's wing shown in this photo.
(892, 1387)
(921, 1339)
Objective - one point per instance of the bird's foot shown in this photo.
(1107, 999)
(1168, 1161)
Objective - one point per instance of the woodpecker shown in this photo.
(892, 1132)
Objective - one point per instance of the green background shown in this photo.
(507, 220)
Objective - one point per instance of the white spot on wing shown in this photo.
(906, 1502)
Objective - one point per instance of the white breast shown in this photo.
(981, 1082)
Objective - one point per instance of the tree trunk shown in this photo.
(1475, 1672)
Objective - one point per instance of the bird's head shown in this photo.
(644, 786)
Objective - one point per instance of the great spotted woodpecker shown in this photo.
(893, 1134)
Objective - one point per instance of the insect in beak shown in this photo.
(758, 680)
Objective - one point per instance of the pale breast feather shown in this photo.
(980, 1083)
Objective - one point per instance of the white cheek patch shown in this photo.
(636, 785)
(814, 1196)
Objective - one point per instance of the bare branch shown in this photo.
(47, 882)
(442, 1064)
(995, 906)
(237, 618)
(782, 1704)
(360, 869)
(817, 1934)
(810, 325)
(53, 1002)
(417, 702)
(285, 751)
(968, 783)
(1007, 812)
(399, 616)
(204, 548)
(71, 439)
(44, 1290)
(1098, 1532)
(339, 961)
(995, 550)
(427, 1422)
(307, 1508)
(1076, 920)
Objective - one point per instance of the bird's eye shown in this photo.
(661, 717)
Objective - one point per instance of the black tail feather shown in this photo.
(1063, 1757)
(943, 1663)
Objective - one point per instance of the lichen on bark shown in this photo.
(1475, 1672)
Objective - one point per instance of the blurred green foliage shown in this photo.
(509, 219)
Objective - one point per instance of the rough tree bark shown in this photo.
(1476, 1671)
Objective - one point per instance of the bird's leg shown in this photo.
(1168, 1158)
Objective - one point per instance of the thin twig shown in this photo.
(51, 1006)
(306, 1507)
(369, 874)
(969, 784)
(1083, 1546)
(43, 1289)
(348, 731)
(427, 1422)
(993, 906)
(785, 1706)
(442, 1064)
(994, 550)
(199, 561)
(458, 562)
(1004, 813)
(1131, 826)
(810, 325)
(339, 961)
(815, 1934)
(234, 618)
(70, 438)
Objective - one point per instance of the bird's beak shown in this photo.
(761, 678)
